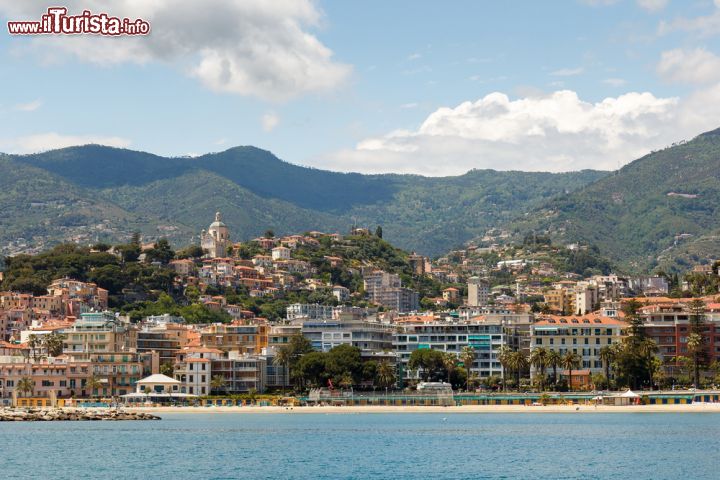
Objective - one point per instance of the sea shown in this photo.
(368, 446)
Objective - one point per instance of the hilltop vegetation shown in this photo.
(659, 211)
(176, 197)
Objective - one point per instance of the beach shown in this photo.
(487, 409)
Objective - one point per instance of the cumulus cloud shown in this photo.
(48, 141)
(245, 47)
(689, 66)
(269, 121)
(555, 132)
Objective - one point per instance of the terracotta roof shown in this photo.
(578, 320)
(201, 350)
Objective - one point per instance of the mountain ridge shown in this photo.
(260, 191)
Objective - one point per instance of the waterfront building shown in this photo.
(484, 337)
(584, 335)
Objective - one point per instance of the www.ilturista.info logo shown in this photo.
(57, 22)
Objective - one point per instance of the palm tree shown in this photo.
(538, 359)
(648, 349)
(695, 348)
(570, 361)
(467, 355)
(518, 362)
(93, 383)
(503, 357)
(607, 355)
(282, 359)
(449, 361)
(217, 382)
(34, 343)
(553, 360)
(53, 344)
(385, 374)
(25, 385)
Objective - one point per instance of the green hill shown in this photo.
(256, 191)
(661, 210)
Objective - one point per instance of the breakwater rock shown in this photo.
(70, 414)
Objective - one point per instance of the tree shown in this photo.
(53, 343)
(378, 232)
(282, 359)
(269, 233)
(161, 252)
(343, 361)
(553, 360)
(385, 374)
(467, 355)
(167, 369)
(217, 383)
(607, 356)
(449, 362)
(695, 348)
(297, 347)
(538, 359)
(35, 345)
(503, 357)
(25, 385)
(93, 383)
(695, 340)
(518, 362)
(428, 363)
(570, 361)
(310, 370)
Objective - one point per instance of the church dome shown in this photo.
(218, 222)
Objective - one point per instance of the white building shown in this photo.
(217, 238)
(281, 253)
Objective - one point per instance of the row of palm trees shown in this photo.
(542, 359)
(26, 386)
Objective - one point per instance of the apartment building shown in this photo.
(484, 337)
(584, 335)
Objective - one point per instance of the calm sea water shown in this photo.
(382, 446)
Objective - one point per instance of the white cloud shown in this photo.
(414, 56)
(245, 47)
(555, 132)
(614, 82)
(652, 5)
(29, 107)
(703, 26)
(567, 72)
(689, 66)
(48, 141)
(269, 121)
(409, 105)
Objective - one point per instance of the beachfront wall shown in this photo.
(553, 399)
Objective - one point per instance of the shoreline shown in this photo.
(467, 409)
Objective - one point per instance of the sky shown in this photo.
(409, 86)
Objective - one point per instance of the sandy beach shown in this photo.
(487, 409)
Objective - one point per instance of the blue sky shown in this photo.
(427, 87)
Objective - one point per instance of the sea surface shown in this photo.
(360, 446)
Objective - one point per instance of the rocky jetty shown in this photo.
(70, 414)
